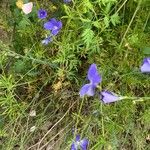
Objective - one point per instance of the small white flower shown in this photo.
(32, 113)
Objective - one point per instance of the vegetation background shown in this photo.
(114, 34)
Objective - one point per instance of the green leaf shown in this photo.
(108, 7)
(87, 37)
(23, 23)
(146, 50)
(19, 66)
(88, 5)
(96, 24)
(106, 21)
(115, 19)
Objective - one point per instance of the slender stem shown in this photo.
(78, 115)
(102, 120)
(121, 6)
(130, 23)
(146, 22)
(137, 98)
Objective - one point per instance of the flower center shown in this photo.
(78, 145)
(55, 28)
(42, 13)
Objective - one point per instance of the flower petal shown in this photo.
(55, 32)
(67, 1)
(59, 24)
(87, 89)
(109, 97)
(53, 21)
(84, 144)
(93, 75)
(27, 8)
(145, 68)
(48, 25)
(74, 146)
(146, 60)
(77, 138)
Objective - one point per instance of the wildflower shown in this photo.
(79, 144)
(67, 1)
(47, 40)
(26, 8)
(19, 4)
(145, 68)
(53, 25)
(32, 113)
(94, 78)
(109, 97)
(42, 14)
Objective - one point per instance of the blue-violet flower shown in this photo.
(145, 68)
(109, 97)
(53, 25)
(42, 14)
(79, 144)
(94, 78)
(67, 1)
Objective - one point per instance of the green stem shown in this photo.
(138, 7)
(136, 99)
(102, 121)
(78, 116)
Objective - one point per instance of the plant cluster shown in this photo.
(46, 48)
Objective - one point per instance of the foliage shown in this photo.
(114, 34)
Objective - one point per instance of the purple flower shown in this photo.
(42, 14)
(145, 68)
(46, 40)
(94, 78)
(109, 97)
(53, 25)
(67, 1)
(79, 144)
